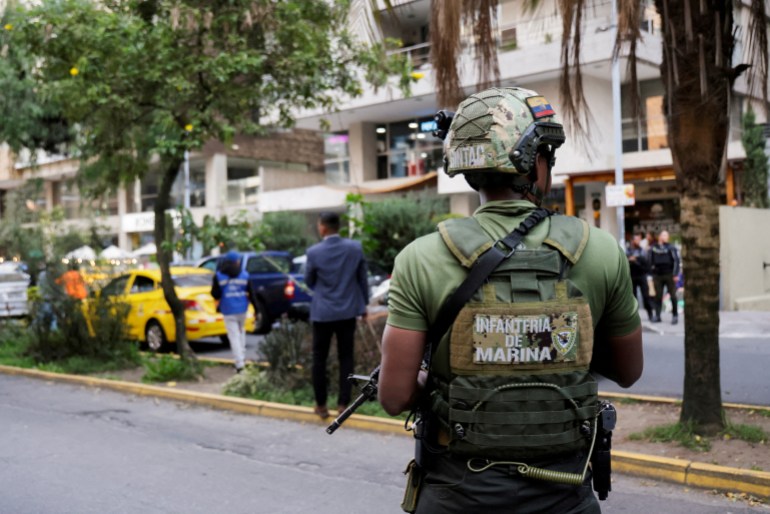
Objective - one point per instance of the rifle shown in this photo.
(368, 392)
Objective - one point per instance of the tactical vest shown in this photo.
(511, 376)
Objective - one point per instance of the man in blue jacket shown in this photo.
(336, 271)
(231, 287)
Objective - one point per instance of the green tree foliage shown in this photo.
(395, 223)
(135, 80)
(755, 166)
(287, 231)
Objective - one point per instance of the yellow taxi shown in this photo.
(150, 320)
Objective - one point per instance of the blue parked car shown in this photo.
(279, 289)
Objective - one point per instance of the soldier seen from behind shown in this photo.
(503, 384)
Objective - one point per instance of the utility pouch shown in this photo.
(414, 476)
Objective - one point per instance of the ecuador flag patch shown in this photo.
(540, 107)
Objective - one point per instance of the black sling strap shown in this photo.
(481, 269)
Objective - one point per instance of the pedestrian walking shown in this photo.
(507, 395)
(336, 271)
(231, 287)
(73, 283)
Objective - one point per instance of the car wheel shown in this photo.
(155, 337)
(262, 320)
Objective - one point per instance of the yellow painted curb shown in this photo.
(729, 479)
(694, 474)
(261, 408)
(679, 471)
(662, 468)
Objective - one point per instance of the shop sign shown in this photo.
(620, 196)
(145, 221)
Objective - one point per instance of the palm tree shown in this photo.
(698, 76)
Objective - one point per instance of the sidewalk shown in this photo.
(738, 324)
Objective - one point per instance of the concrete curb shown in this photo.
(680, 471)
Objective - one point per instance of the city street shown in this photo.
(744, 365)
(71, 449)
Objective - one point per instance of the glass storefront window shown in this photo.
(407, 149)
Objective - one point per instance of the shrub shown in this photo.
(287, 350)
(394, 223)
(248, 383)
(287, 231)
(165, 368)
(63, 328)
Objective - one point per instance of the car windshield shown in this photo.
(193, 280)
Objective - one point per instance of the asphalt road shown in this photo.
(71, 449)
(744, 365)
(743, 368)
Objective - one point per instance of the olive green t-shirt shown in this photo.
(426, 273)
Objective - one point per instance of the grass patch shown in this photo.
(83, 365)
(165, 368)
(256, 384)
(748, 433)
(682, 434)
(13, 349)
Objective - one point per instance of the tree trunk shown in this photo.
(697, 99)
(162, 204)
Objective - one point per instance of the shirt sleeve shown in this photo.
(621, 310)
(404, 303)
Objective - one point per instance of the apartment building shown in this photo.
(381, 144)
(383, 141)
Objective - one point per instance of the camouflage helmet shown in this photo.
(500, 130)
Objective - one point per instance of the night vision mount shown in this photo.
(443, 120)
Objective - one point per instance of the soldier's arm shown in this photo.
(619, 358)
(401, 380)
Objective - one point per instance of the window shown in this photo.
(197, 185)
(648, 130)
(142, 285)
(242, 181)
(407, 149)
(268, 264)
(116, 288)
(337, 158)
(149, 190)
(193, 280)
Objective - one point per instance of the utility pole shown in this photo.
(618, 126)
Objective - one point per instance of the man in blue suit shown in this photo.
(336, 271)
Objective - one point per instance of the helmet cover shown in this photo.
(491, 126)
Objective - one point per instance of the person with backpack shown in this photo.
(499, 323)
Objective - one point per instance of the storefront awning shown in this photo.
(407, 184)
